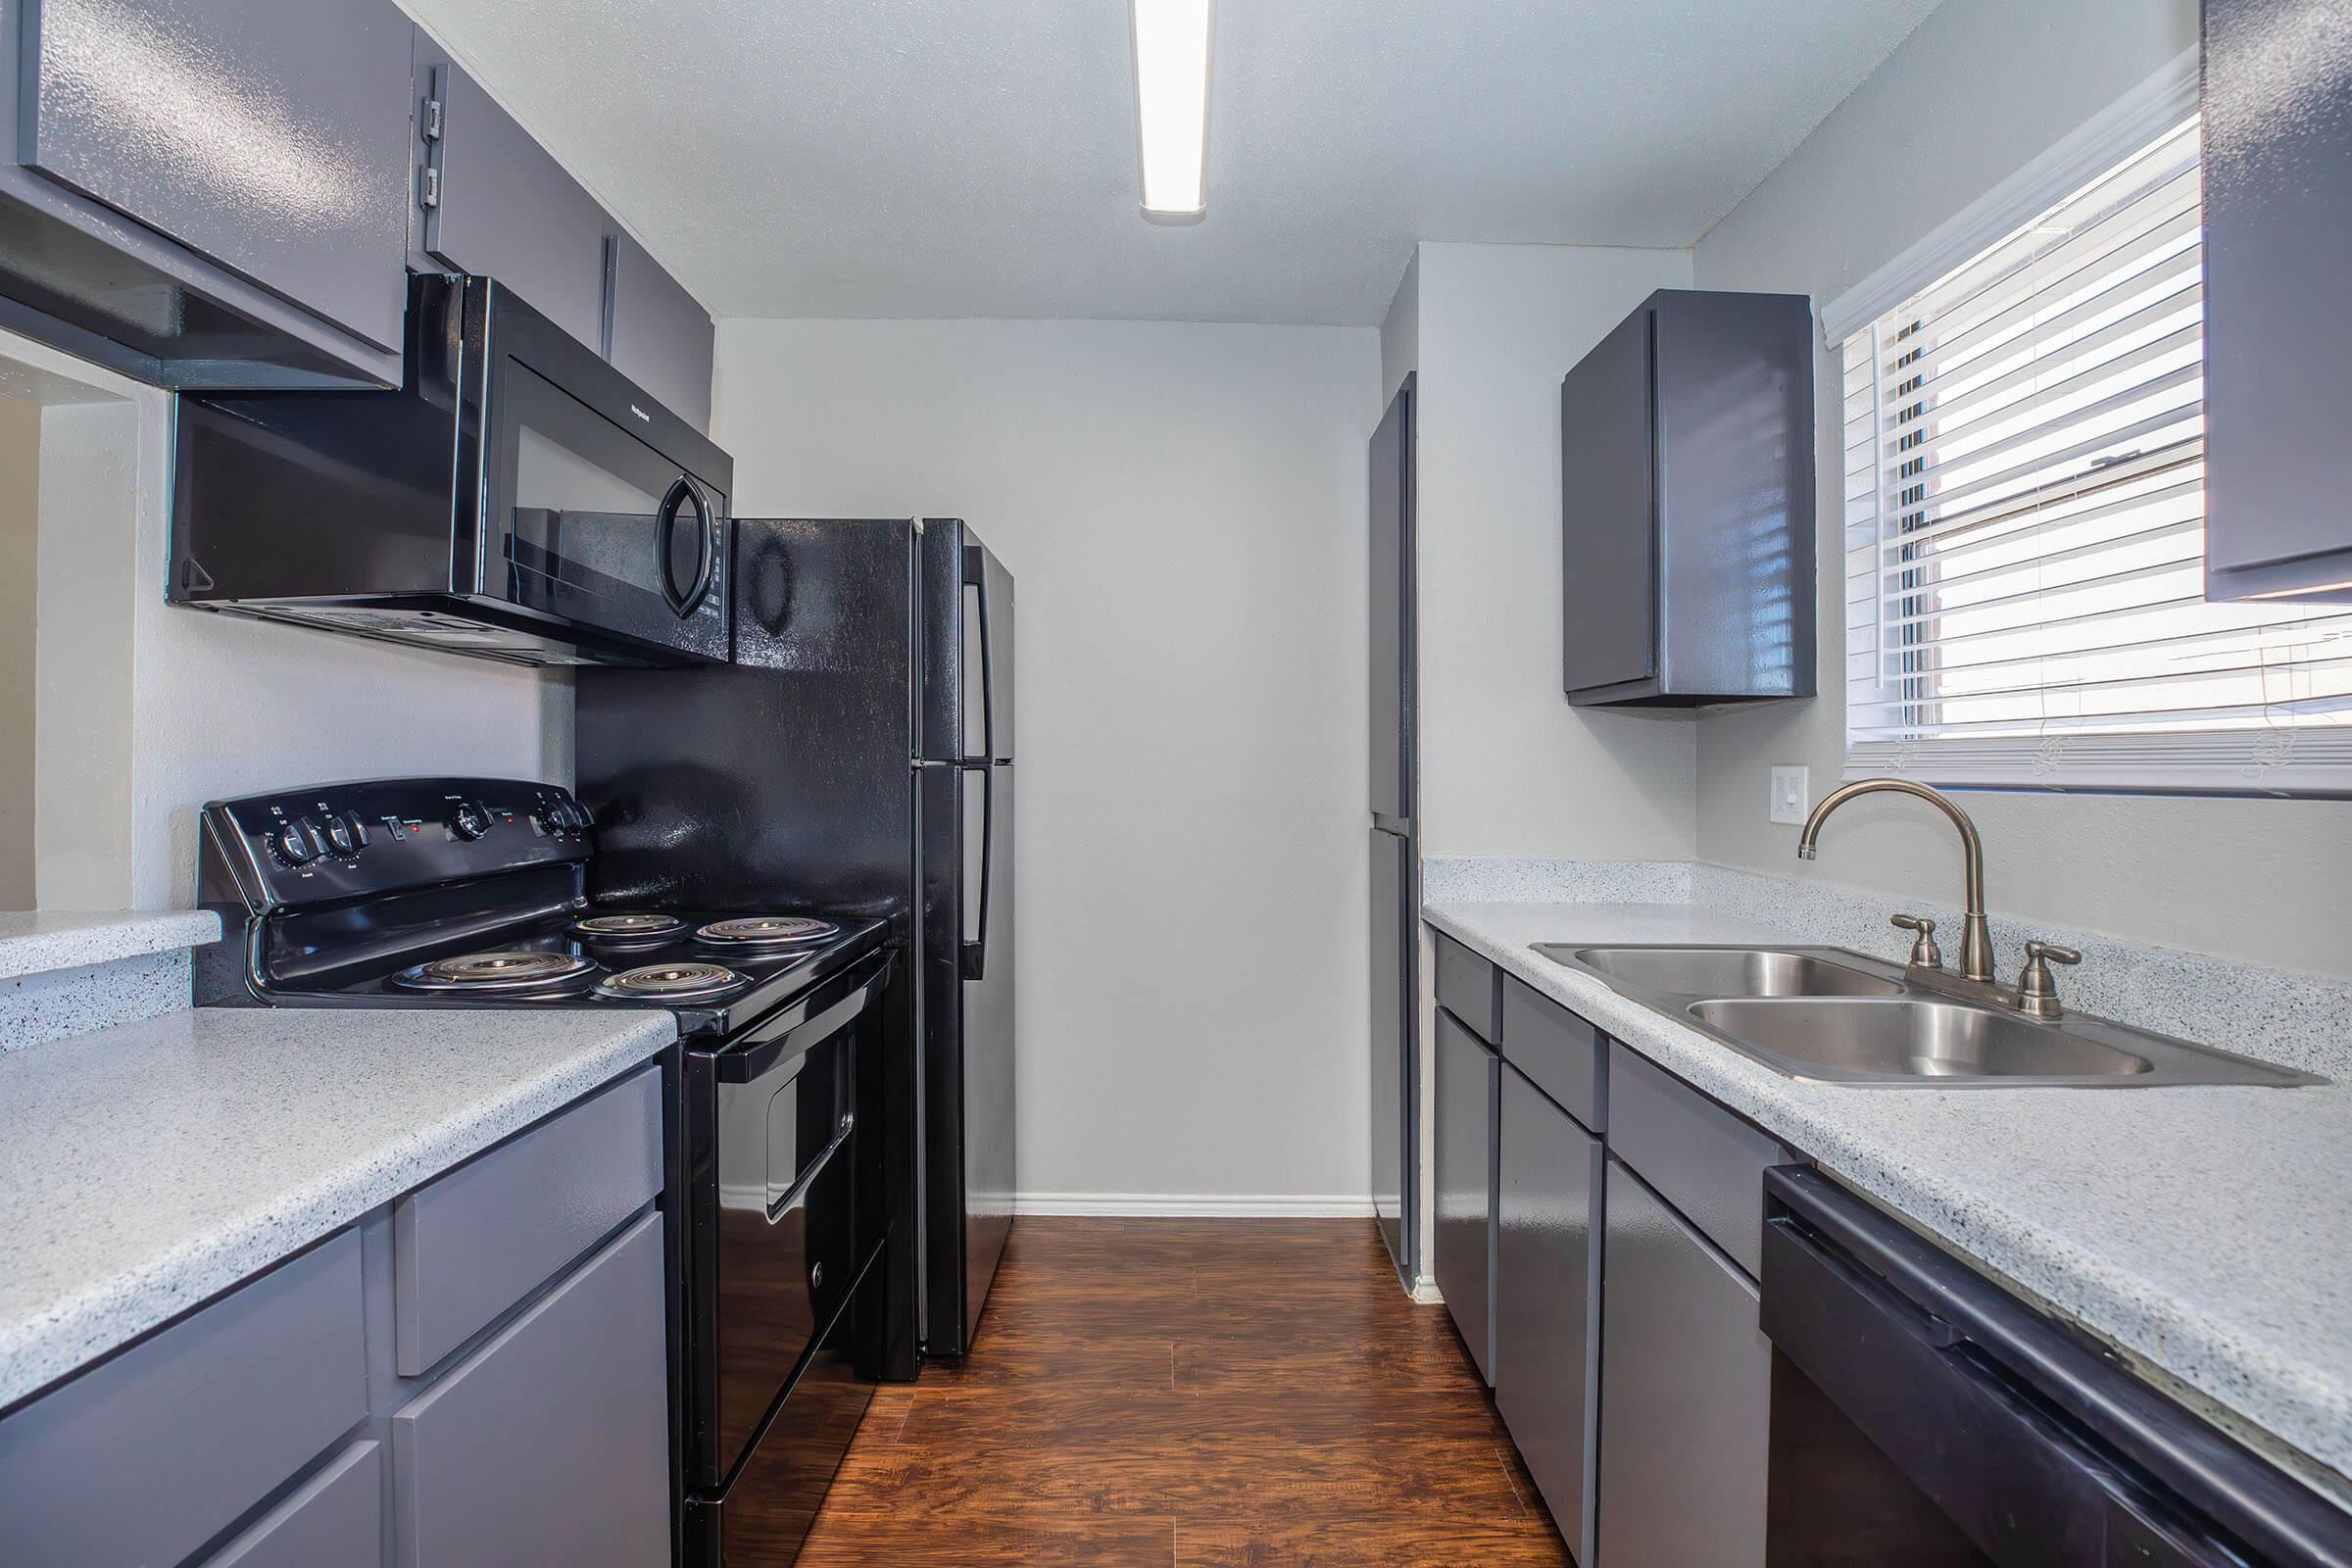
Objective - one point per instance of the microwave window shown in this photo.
(551, 475)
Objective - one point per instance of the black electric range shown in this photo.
(472, 893)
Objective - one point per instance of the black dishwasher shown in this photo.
(1922, 1415)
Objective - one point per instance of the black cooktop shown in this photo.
(715, 968)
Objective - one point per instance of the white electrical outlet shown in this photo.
(1791, 795)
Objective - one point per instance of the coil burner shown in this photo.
(768, 931)
(671, 983)
(517, 971)
(632, 926)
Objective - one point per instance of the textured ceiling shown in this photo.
(976, 158)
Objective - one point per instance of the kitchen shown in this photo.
(515, 1044)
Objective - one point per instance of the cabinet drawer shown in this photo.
(1696, 1154)
(481, 1238)
(549, 1444)
(148, 1455)
(333, 1520)
(1561, 1055)
(1685, 1384)
(1468, 988)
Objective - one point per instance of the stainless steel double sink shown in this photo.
(1836, 1016)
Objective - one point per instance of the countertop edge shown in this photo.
(112, 1311)
(2111, 1303)
(42, 942)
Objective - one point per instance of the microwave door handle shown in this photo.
(975, 949)
(975, 575)
(681, 496)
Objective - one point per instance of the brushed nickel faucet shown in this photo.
(1975, 936)
(2036, 992)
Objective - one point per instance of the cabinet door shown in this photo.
(1608, 591)
(1686, 1383)
(2277, 171)
(1547, 1319)
(1392, 611)
(269, 136)
(500, 204)
(1462, 1244)
(661, 339)
(551, 1444)
(1393, 1113)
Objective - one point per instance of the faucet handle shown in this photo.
(2036, 987)
(1925, 953)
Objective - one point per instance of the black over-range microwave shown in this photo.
(518, 497)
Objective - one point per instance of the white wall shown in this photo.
(19, 551)
(1183, 507)
(1981, 88)
(1508, 767)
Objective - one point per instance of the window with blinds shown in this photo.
(2025, 534)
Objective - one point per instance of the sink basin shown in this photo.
(1836, 1016)
(1730, 972)
(1905, 1036)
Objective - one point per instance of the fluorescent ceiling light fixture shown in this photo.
(1171, 105)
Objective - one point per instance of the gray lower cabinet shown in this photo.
(493, 201)
(1685, 1383)
(659, 337)
(1547, 1302)
(549, 1444)
(1462, 1241)
(209, 195)
(333, 1520)
(274, 1427)
(149, 1455)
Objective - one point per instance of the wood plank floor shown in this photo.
(1188, 1393)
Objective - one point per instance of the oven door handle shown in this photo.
(827, 1009)
(797, 1192)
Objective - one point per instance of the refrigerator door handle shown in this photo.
(975, 949)
(975, 575)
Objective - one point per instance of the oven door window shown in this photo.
(600, 528)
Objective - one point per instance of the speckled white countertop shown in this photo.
(2206, 1233)
(147, 1167)
(33, 940)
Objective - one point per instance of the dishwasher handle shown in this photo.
(2036, 1444)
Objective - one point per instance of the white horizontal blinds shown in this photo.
(2025, 525)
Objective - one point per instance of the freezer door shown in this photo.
(1392, 578)
(988, 656)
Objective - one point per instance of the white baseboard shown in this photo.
(1196, 1205)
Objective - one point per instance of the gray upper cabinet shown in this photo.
(492, 201)
(659, 337)
(1687, 505)
(2277, 171)
(209, 195)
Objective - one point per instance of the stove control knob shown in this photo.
(297, 842)
(577, 815)
(344, 834)
(551, 820)
(469, 819)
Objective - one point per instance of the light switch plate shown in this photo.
(1791, 795)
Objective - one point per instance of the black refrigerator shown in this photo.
(855, 758)
(1395, 855)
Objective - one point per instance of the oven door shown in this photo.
(777, 1220)
(598, 507)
